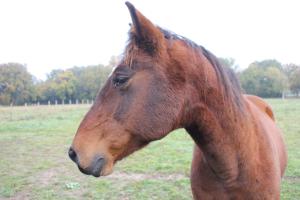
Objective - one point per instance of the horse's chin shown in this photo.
(103, 173)
(107, 171)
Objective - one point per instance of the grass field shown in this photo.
(34, 162)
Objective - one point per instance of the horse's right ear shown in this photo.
(146, 35)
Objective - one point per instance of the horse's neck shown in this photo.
(213, 118)
(218, 133)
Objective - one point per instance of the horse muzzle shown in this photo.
(95, 167)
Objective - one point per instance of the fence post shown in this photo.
(56, 102)
(70, 101)
(49, 103)
(76, 101)
(63, 102)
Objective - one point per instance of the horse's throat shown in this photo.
(217, 140)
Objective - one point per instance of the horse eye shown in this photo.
(120, 80)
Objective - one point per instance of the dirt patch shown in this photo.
(292, 179)
(50, 175)
(140, 176)
(44, 178)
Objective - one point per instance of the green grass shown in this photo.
(34, 162)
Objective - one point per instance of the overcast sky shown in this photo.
(54, 34)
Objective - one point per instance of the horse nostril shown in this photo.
(72, 155)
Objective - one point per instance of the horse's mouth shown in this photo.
(89, 172)
(95, 169)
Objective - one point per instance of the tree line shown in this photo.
(18, 86)
(267, 78)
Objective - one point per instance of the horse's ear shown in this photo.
(146, 35)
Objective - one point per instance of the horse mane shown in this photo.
(226, 77)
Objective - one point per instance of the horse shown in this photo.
(165, 81)
(260, 103)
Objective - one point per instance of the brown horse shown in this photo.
(261, 104)
(165, 82)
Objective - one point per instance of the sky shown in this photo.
(60, 34)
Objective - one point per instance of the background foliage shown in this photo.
(267, 78)
(18, 86)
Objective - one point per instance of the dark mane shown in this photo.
(226, 76)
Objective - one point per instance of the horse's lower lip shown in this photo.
(86, 172)
(96, 175)
(95, 168)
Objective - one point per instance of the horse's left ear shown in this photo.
(146, 35)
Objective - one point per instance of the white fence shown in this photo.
(56, 102)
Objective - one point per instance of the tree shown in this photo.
(267, 63)
(264, 79)
(295, 81)
(60, 85)
(89, 79)
(289, 69)
(16, 84)
(275, 82)
(292, 71)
